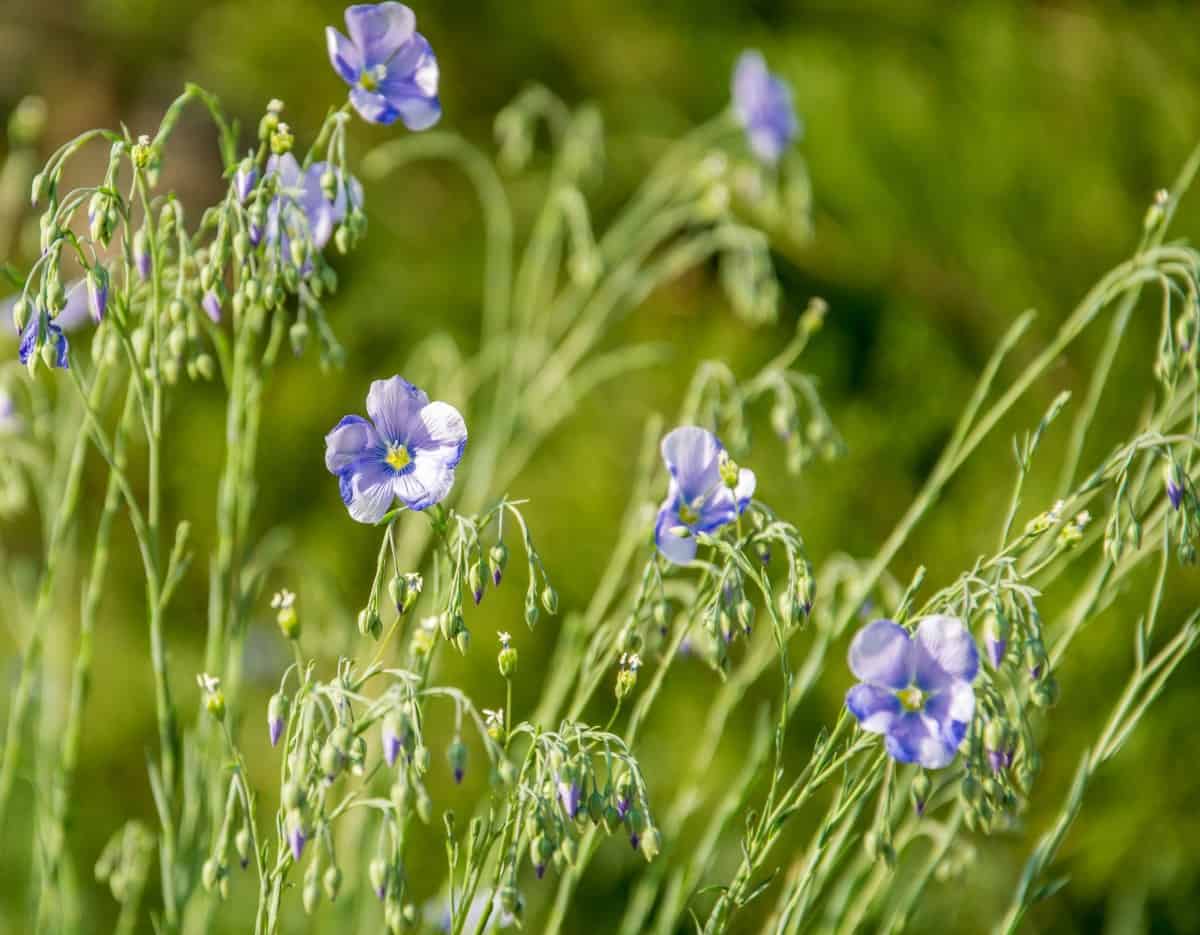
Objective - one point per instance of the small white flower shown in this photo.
(505, 638)
(283, 599)
(208, 683)
(493, 718)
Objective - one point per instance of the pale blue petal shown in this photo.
(674, 548)
(373, 107)
(914, 738)
(692, 458)
(744, 491)
(439, 431)
(344, 56)
(881, 654)
(371, 491)
(943, 653)
(876, 708)
(349, 440)
(379, 30)
(394, 405)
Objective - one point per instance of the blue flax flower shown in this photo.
(409, 449)
(706, 491)
(915, 690)
(762, 104)
(390, 67)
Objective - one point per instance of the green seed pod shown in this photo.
(210, 873)
(332, 882)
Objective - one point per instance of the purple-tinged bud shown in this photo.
(378, 873)
(569, 795)
(392, 740)
(475, 578)
(141, 255)
(97, 286)
(623, 806)
(212, 306)
(497, 560)
(635, 840)
(996, 759)
(920, 789)
(244, 179)
(276, 716)
(458, 759)
(296, 836)
(1174, 487)
(995, 649)
(539, 870)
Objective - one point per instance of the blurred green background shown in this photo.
(968, 161)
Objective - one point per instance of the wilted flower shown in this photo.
(915, 690)
(34, 337)
(391, 68)
(763, 106)
(301, 211)
(700, 498)
(409, 449)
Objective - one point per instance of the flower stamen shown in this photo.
(398, 457)
(911, 698)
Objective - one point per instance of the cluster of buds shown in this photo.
(569, 797)
(404, 590)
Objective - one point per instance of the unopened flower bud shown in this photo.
(920, 790)
(550, 600)
(369, 623)
(241, 843)
(475, 577)
(377, 872)
(457, 755)
(210, 873)
(277, 712)
(507, 661)
(497, 560)
(281, 139)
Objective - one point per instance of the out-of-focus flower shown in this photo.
(390, 67)
(763, 106)
(301, 211)
(212, 305)
(408, 449)
(700, 497)
(10, 422)
(915, 690)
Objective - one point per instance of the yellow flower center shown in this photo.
(370, 79)
(688, 516)
(911, 699)
(398, 457)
